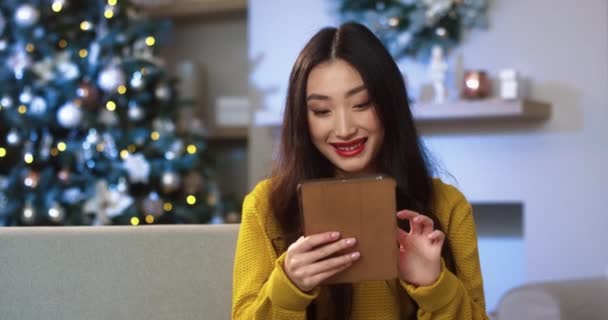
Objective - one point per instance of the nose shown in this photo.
(344, 127)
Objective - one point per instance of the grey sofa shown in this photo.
(583, 299)
(185, 272)
(145, 272)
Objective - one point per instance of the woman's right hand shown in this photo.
(306, 264)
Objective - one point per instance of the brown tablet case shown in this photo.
(363, 208)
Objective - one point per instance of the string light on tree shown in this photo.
(28, 158)
(57, 5)
(109, 12)
(135, 221)
(85, 26)
(150, 41)
(191, 199)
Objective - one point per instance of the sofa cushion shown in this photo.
(145, 272)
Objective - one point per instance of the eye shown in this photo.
(320, 112)
(363, 106)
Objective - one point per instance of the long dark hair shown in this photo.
(401, 155)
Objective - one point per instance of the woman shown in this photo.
(347, 114)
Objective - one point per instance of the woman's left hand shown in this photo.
(419, 250)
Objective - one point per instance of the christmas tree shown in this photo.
(91, 131)
(410, 28)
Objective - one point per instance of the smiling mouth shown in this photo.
(350, 149)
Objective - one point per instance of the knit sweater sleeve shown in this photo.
(261, 289)
(456, 295)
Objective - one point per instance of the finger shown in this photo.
(329, 264)
(407, 214)
(320, 277)
(437, 236)
(426, 224)
(410, 216)
(307, 243)
(401, 236)
(328, 250)
(415, 226)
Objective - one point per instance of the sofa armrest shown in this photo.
(559, 300)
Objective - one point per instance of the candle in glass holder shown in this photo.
(476, 85)
(510, 85)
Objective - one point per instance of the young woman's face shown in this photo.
(342, 119)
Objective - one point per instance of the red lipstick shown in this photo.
(351, 148)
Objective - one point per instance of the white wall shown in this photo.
(556, 169)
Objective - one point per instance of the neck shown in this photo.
(345, 174)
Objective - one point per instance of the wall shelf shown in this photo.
(189, 8)
(456, 111)
(228, 133)
(487, 109)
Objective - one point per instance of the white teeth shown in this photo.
(350, 148)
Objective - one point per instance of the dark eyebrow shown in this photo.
(355, 90)
(349, 93)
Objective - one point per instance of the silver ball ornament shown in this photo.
(56, 213)
(13, 138)
(111, 78)
(6, 102)
(163, 125)
(170, 181)
(176, 149)
(107, 117)
(153, 205)
(163, 92)
(28, 214)
(136, 112)
(25, 96)
(69, 70)
(137, 81)
(26, 15)
(69, 115)
(38, 106)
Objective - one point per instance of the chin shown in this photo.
(354, 169)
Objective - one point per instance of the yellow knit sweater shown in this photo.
(261, 289)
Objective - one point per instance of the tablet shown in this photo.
(364, 208)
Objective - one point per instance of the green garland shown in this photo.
(410, 28)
